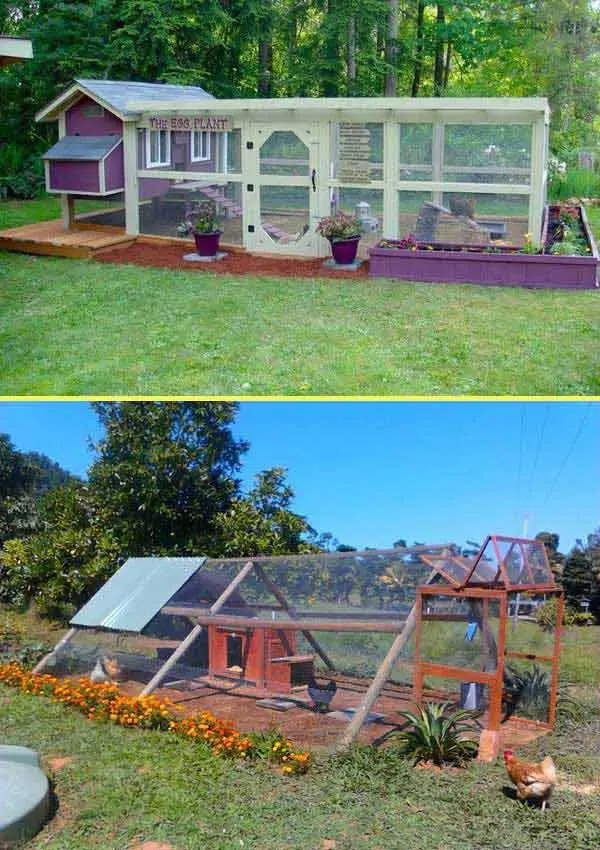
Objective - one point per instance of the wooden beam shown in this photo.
(62, 642)
(205, 618)
(189, 640)
(382, 675)
(292, 611)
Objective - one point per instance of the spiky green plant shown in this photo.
(437, 734)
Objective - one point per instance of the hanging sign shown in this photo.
(212, 123)
(354, 153)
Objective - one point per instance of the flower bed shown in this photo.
(104, 702)
(490, 264)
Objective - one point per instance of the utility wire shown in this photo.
(520, 462)
(569, 451)
(537, 452)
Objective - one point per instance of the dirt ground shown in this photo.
(169, 255)
(308, 729)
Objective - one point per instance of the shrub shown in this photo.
(584, 618)
(437, 734)
(545, 616)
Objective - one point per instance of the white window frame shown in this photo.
(167, 161)
(203, 133)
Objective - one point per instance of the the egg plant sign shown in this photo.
(214, 123)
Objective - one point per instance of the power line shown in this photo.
(520, 462)
(537, 451)
(569, 451)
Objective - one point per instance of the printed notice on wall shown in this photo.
(354, 153)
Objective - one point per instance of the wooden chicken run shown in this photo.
(456, 621)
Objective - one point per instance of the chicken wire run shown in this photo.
(423, 618)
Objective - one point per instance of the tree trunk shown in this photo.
(390, 83)
(332, 49)
(438, 71)
(418, 67)
(447, 64)
(351, 56)
(265, 68)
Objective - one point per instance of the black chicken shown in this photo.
(321, 694)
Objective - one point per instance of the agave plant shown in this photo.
(526, 691)
(437, 734)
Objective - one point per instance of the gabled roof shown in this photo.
(93, 148)
(117, 95)
(136, 593)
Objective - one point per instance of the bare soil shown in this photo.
(169, 255)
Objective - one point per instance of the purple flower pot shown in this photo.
(207, 244)
(344, 250)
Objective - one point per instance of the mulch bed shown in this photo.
(170, 256)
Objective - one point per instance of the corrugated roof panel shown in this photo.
(136, 593)
(120, 93)
(82, 147)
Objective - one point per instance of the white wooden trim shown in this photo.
(369, 104)
(14, 49)
(391, 157)
(538, 179)
(149, 163)
(62, 125)
(80, 193)
(130, 157)
(101, 177)
(437, 159)
(207, 135)
(206, 177)
(479, 188)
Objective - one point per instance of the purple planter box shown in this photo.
(538, 271)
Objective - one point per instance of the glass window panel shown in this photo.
(487, 153)
(416, 142)
(283, 153)
(367, 205)
(164, 203)
(473, 218)
(284, 212)
(414, 215)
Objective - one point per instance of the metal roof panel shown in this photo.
(136, 593)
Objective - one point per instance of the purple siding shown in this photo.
(537, 271)
(114, 171)
(73, 176)
(79, 122)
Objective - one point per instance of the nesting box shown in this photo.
(85, 165)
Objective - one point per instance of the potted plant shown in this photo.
(343, 232)
(203, 223)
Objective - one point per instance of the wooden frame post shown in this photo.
(189, 640)
(62, 642)
(130, 159)
(560, 610)
(412, 621)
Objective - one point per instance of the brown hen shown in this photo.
(534, 781)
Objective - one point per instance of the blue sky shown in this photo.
(371, 472)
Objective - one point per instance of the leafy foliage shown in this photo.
(546, 614)
(438, 734)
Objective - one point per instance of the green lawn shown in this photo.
(123, 787)
(75, 327)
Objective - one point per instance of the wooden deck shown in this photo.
(51, 239)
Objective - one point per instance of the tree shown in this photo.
(262, 523)
(556, 559)
(165, 471)
(578, 578)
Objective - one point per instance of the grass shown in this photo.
(123, 787)
(79, 328)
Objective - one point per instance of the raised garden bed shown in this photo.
(490, 264)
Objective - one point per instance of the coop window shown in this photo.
(234, 651)
(200, 146)
(158, 147)
(93, 110)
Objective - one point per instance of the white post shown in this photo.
(537, 198)
(130, 160)
(391, 160)
(437, 159)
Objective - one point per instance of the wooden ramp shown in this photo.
(51, 239)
